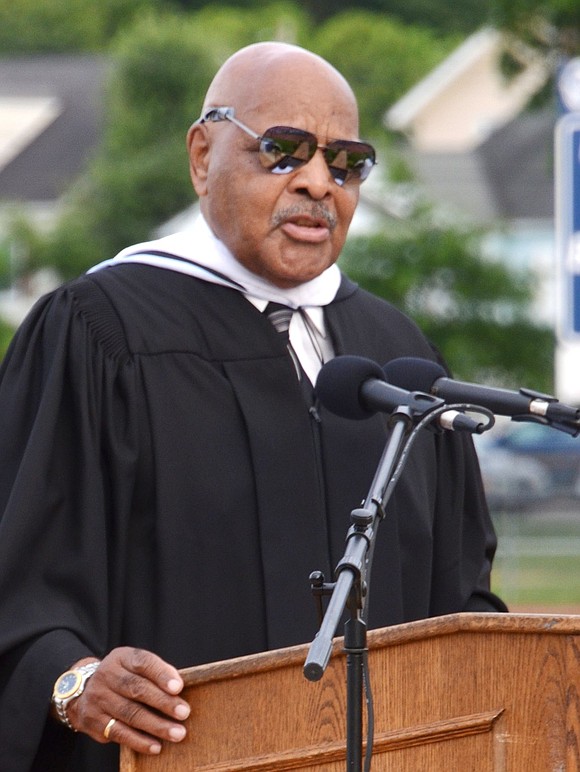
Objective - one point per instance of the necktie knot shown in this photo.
(280, 317)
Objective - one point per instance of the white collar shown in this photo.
(314, 313)
(200, 253)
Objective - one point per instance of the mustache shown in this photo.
(316, 210)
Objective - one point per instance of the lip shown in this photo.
(308, 229)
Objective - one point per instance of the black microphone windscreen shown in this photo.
(413, 373)
(339, 382)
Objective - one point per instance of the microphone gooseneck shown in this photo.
(522, 405)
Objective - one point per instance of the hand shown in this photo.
(139, 690)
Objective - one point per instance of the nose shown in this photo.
(313, 178)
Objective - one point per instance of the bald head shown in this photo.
(274, 71)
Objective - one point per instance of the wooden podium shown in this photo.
(466, 692)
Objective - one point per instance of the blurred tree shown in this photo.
(35, 26)
(140, 176)
(5, 267)
(6, 333)
(163, 65)
(444, 15)
(380, 57)
(473, 309)
(549, 25)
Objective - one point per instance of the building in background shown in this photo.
(51, 122)
(477, 151)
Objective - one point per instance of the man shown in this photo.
(167, 482)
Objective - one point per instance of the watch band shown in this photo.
(69, 686)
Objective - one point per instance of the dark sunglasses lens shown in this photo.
(349, 160)
(283, 149)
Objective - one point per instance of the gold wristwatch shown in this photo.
(69, 686)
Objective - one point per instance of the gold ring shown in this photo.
(108, 728)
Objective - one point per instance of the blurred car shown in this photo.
(526, 463)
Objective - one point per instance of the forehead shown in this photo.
(295, 90)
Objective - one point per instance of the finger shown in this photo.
(124, 735)
(125, 722)
(139, 717)
(151, 667)
(144, 678)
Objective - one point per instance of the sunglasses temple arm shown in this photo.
(242, 126)
(216, 114)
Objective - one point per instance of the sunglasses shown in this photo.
(284, 149)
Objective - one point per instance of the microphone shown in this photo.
(412, 372)
(355, 387)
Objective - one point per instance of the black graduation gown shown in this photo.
(163, 485)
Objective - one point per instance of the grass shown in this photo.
(537, 565)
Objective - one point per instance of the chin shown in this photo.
(293, 274)
(288, 280)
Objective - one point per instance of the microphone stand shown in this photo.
(350, 587)
(352, 572)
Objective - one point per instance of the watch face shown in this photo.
(67, 684)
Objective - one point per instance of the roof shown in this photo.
(471, 141)
(51, 114)
(403, 112)
(460, 103)
(518, 163)
(508, 177)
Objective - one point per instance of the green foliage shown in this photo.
(63, 25)
(73, 246)
(6, 334)
(163, 65)
(473, 309)
(226, 28)
(380, 57)
(557, 12)
(546, 24)
(5, 268)
(141, 177)
(19, 240)
(550, 27)
(444, 15)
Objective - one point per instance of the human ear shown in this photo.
(198, 148)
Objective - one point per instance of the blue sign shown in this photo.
(568, 221)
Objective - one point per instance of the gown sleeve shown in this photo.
(465, 539)
(67, 450)
(465, 545)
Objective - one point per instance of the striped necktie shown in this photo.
(280, 316)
